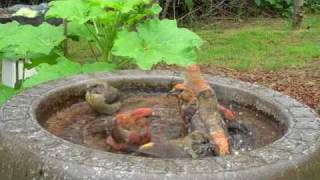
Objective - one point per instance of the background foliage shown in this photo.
(187, 9)
(195, 9)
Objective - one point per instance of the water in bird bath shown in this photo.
(77, 123)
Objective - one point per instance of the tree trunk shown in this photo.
(298, 13)
(165, 9)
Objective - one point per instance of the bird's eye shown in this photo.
(205, 141)
(95, 86)
(210, 149)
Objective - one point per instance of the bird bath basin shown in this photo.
(70, 118)
(285, 132)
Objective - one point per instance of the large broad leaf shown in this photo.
(81, 30)
(64, 68)
(19, 41)
(79, 11)
(6, 31)
(156, 41)
(46, 72)
(124, 6)
(73, 10)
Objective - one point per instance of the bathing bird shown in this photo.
(103, 98)
(194, 145)
(130, 130)
(188, 99)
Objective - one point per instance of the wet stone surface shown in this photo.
(25, 153)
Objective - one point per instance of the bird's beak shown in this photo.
(146, 146)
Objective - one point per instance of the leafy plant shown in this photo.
(313, 5)
(107, 23)
(285, 7)
(63, 68)
(100, 24)
(153, 42)
(125, 31)
(25, 41)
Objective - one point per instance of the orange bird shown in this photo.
(130, 130)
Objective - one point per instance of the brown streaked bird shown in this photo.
(206, 117)
(103, 98)
(188, 98)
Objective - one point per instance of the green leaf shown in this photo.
(46, 72)
(20, 41)
(258, 2)
(10, 30)
(272, 2)
(72, 10)
(289, 2)
(39, 59)
(63, 68)
(189, 4)
(80, 30)
(97, 67)
(6, 93)
(156, 41)
(155, 9)
(124, 6)
(80, 11)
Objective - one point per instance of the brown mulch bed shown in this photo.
(302, 84)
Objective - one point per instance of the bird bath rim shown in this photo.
(299, 147)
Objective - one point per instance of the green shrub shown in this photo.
(129, 30)
(285, 7)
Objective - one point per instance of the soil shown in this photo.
(302, 84)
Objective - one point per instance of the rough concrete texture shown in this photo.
(28, 151)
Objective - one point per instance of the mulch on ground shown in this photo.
(302, 84)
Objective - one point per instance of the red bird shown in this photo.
(130, 130)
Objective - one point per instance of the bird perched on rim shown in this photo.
(188, 99)
(103, 98)
(200, 107)
(130, 130)
(194, 145)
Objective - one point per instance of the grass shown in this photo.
(260, 44)
(265, 44)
